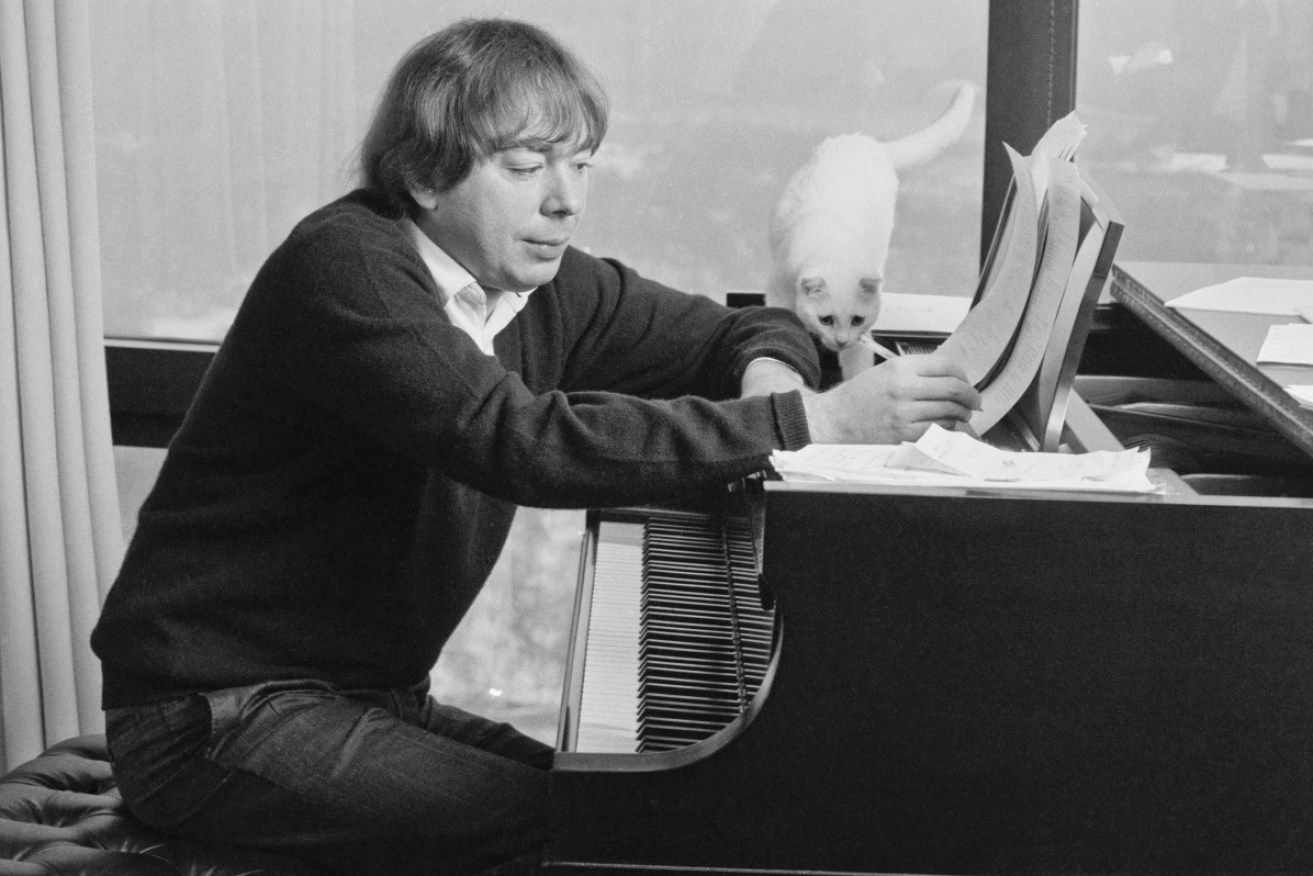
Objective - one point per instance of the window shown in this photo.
(220, 124)
(1200, 119)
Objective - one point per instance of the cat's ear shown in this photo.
(812, 285)
(869, 285)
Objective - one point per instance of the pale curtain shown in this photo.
(60, 534)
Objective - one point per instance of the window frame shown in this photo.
(1030, 83)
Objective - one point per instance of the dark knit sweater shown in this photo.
(350, 467)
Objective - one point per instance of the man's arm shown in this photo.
(765, 375)
(632, 335)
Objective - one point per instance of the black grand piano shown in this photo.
(847, 679)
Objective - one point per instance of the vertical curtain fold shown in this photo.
(59, 551)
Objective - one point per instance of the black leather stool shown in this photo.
(61, 815)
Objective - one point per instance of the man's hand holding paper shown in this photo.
(895, 401)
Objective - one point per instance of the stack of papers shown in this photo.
(1266, 295)
(954, 459)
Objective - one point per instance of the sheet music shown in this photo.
(1017, 343)
(1062, 138)
(1045, 298)
(1054, 382)
(982, 338)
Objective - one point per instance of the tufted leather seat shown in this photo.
(61, 815)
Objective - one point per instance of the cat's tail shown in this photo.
(935, 137)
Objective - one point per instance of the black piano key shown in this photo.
(705, 638)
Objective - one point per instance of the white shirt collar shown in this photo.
(466, 312)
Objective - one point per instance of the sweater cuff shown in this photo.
(791, 420)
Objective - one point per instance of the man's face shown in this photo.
(508, 222)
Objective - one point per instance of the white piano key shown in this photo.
(608, 703)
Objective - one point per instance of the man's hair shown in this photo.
(469, 90)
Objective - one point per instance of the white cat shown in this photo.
(829, 235)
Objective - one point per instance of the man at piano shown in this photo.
(413, 362)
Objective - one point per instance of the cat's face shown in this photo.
(837, 316)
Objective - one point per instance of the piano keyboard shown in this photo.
(678, 641)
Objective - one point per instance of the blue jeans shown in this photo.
(387, 782)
